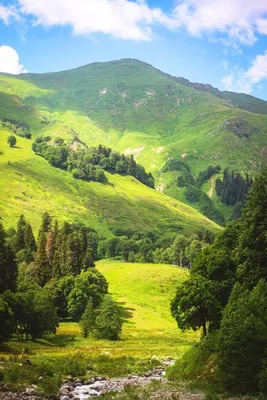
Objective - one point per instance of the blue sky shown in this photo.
(222, 42)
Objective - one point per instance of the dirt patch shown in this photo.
(134, 152)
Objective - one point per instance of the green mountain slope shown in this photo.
(29, 185)
(136, 109)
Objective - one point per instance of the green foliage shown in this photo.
(87, 321)
(233, 188)
(108, 322)
(19, 128)
(33, 313)
(89, 284)
(252, 255)
(88, 164)
(195, 304)
(244, 326)
(204, 176)
(11, 140)
(6, 320)
(8, 266)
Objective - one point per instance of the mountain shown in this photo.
(134, 108)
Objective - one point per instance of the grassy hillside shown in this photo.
(136, 109)
(29, 185)
(144, 292)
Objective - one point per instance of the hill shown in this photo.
(137, 109)
(30, 186)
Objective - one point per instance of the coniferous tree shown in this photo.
(87, 321)
(50, 247)
(252, 249)
(108, 323)
(46, 223)
(29, 239)
(8, 267)
(21, 233)
(42, 262)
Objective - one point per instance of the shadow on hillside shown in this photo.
(60, 340)
(125, 312)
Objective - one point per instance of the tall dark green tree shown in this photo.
(21, 233)
(29, 239)
(8, 267)
(42, 262)
(108, 323)
(252, 249)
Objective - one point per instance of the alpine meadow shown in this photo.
(133, 210)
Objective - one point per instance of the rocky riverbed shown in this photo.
(79, 390)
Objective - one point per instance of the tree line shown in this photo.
(226, 296)
(50, 278)
(233, 190)
(90, 163)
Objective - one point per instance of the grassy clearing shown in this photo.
(144, 292)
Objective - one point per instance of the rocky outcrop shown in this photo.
(239, 127)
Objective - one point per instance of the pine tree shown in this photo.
(108, 323)
(21, 233)
(42, 262)
(30, 243)
(50, 247)
(87, 321)
(8, 267)
(74, 254)
(46, 223)
(253, 239)
(88, 260)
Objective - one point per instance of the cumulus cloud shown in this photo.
(119, 18)
(240, 20)
(232, 21)
(9, 61)
(244, 80)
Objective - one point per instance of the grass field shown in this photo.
(30, 186)
(144, 292)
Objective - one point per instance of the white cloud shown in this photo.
(232, 22)
(244, 80)
(9, 61)
(6, 13)
(240, 20)
(119, 18)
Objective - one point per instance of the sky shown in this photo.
(221, 42)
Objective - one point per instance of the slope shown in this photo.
(136, 109)
(29, 185)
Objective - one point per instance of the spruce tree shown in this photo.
(50, 247)
(8, 267)
(46, 223)
(21, 233)
(108, 323)
(29, 239)
(42, 262)
(252, 249)
(87, 321)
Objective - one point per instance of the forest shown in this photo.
(90, 163)
(226, 297)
